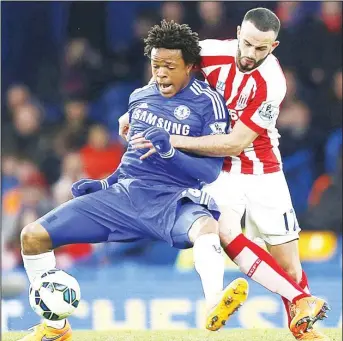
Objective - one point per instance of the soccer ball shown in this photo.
(55, 295)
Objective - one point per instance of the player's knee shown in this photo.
(35, 239)
(203, 225)
(227, 235)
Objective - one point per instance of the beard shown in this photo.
(250, 67)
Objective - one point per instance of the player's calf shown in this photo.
(260, 266)
(287, 256)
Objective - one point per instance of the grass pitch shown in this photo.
(335, 334)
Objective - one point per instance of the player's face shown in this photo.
(254, 46)
(169, 70)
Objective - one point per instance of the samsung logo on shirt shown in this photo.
(173, 128)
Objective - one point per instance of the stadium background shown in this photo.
(67, 71)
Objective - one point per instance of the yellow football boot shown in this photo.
(307, 311)
(232, 298)
(42, 332)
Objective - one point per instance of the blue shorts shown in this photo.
(128, 211)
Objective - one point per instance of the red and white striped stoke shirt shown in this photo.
(253, 97)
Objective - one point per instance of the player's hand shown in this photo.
(151, 151)
(86, 186)
(124, 126)
(138, 141)
(160, 139)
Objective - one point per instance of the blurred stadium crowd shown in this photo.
(68, 69)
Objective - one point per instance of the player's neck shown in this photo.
(188, 83)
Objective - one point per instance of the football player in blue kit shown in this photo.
(159, 198)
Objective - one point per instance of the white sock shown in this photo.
(209, 263)
(262, 273)
(35, 266)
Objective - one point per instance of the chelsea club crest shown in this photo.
(182, 112)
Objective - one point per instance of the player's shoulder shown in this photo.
(216, 47)
(272, 74)
(203, 90)
(205, 95)
(143, 92)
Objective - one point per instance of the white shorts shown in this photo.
(265, 199)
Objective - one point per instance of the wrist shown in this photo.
(169, 154)
(104, 183)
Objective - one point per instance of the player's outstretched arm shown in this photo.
(261, 114)
(231, 144)
(204, 169)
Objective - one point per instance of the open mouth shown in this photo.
(165, 87)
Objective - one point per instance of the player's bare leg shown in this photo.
(38, 258)
(209, 263)
(287, 255)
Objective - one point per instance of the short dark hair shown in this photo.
(173, 36)
(263, 19)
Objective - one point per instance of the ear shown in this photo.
(275, 45)
(238, 31)
(189, 68)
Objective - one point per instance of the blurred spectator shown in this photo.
(318, 58)
(72, 170)
(331, 15)
(25, 136)
(26, 202)
(66, 137)
(327, 105)
(16, 96)
(213, 22)
(294, 125)
(100, 156)
(24, 169)
(8, 172)
(333, 114)
(75, 128)
(289, 13)
(34, 199)
(128, 63)
(295, 90)
(173, 10)
(325, 203)
(292, 88)
(82, 71)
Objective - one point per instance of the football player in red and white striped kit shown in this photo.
(246, 73)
